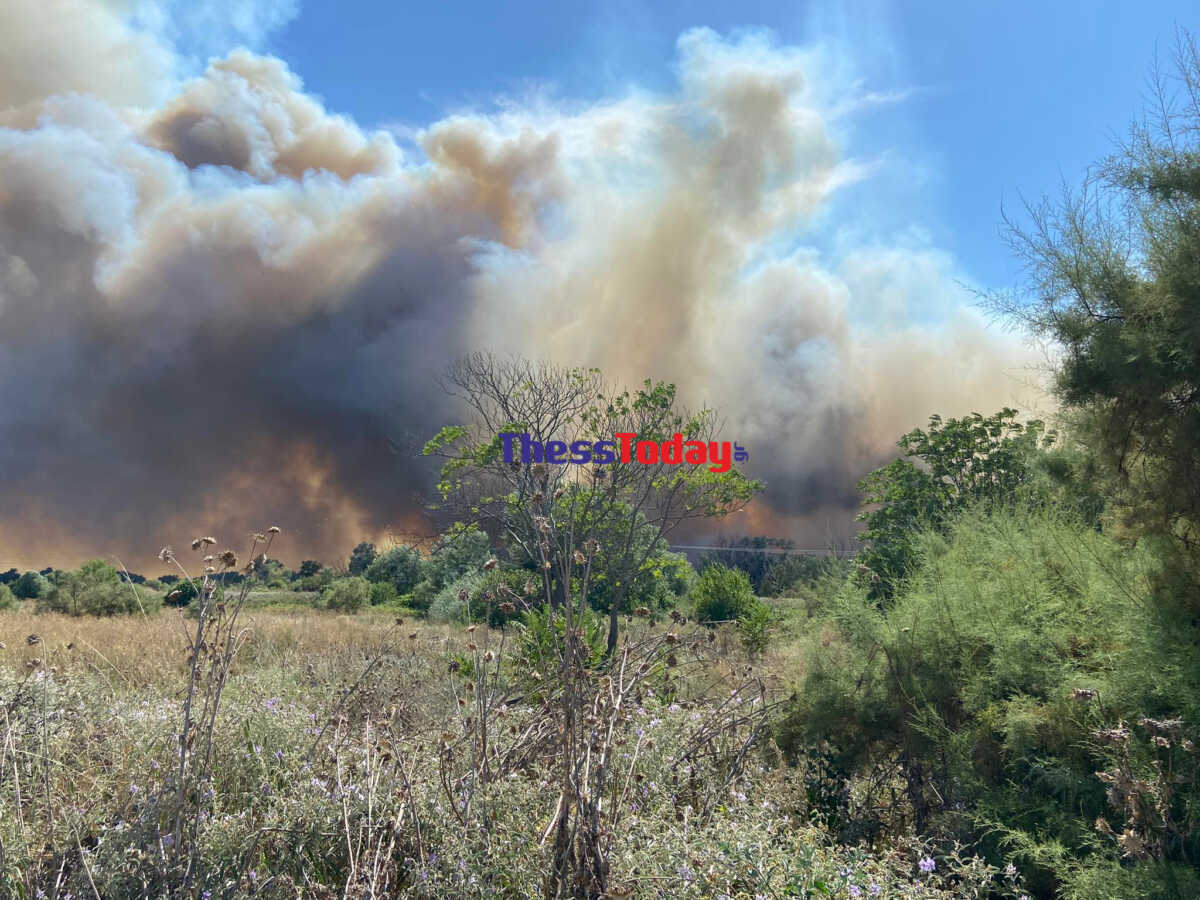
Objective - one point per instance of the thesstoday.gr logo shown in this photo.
(719, 455)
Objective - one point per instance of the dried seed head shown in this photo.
(197, 544)
(1083, 694)
(642, 612)
(208, 570)
(274, 529)
(507, 608)
(470, 686)
(530, 588)
(539, 497)
(558, 493)
(463, 596)
(472, 646)
(209, 558)
(33, 639)
(491, 564)
(229, 559)
(579, 558)
(489, 656)
(413, 636)
(471, 629)
(259, 536)
(166, 554)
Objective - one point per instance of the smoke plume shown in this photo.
(224, 306)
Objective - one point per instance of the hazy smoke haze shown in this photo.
(222, 305)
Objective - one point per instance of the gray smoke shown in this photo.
(223, 306)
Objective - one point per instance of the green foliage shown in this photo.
(7, 598)
(634, 565)
(400, 566)
(317, 581)
(1018, 639)
(539, 634)
(626, 508)
(722, 594)
(476, 596)
(464, 549)
(31, 586)
(95, 589)
(348, 595)
(182, 592)
(361, 558)
(383, 593)
(1116, 286)
(308, 568)
(973, 460)
(754, 626)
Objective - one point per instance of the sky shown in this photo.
(1002, 101)
(240, 239)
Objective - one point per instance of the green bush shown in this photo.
(477, 595)
(361, 558)
(7, 599)
(348, 595)
(400, 566)
(540, 634)
(722, 594)
(95, 589)
(754, 626)
(383, 592)
(988, 685)
(31, 586)
(182, 592)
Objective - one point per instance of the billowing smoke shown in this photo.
(223, 306)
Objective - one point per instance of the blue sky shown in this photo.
(1002, 99)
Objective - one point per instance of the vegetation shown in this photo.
(626, 509)
(998, 696)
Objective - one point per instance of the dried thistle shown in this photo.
(274, 529)
(166, 554)
(229, 559)
(491, 564)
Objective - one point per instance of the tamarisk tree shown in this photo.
(627, 508)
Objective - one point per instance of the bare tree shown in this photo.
(629, 508)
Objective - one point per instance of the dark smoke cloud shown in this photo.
(222, 306)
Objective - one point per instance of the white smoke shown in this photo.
(220, 302)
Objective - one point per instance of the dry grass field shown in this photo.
(362, 756)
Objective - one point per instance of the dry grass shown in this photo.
(135, 652)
